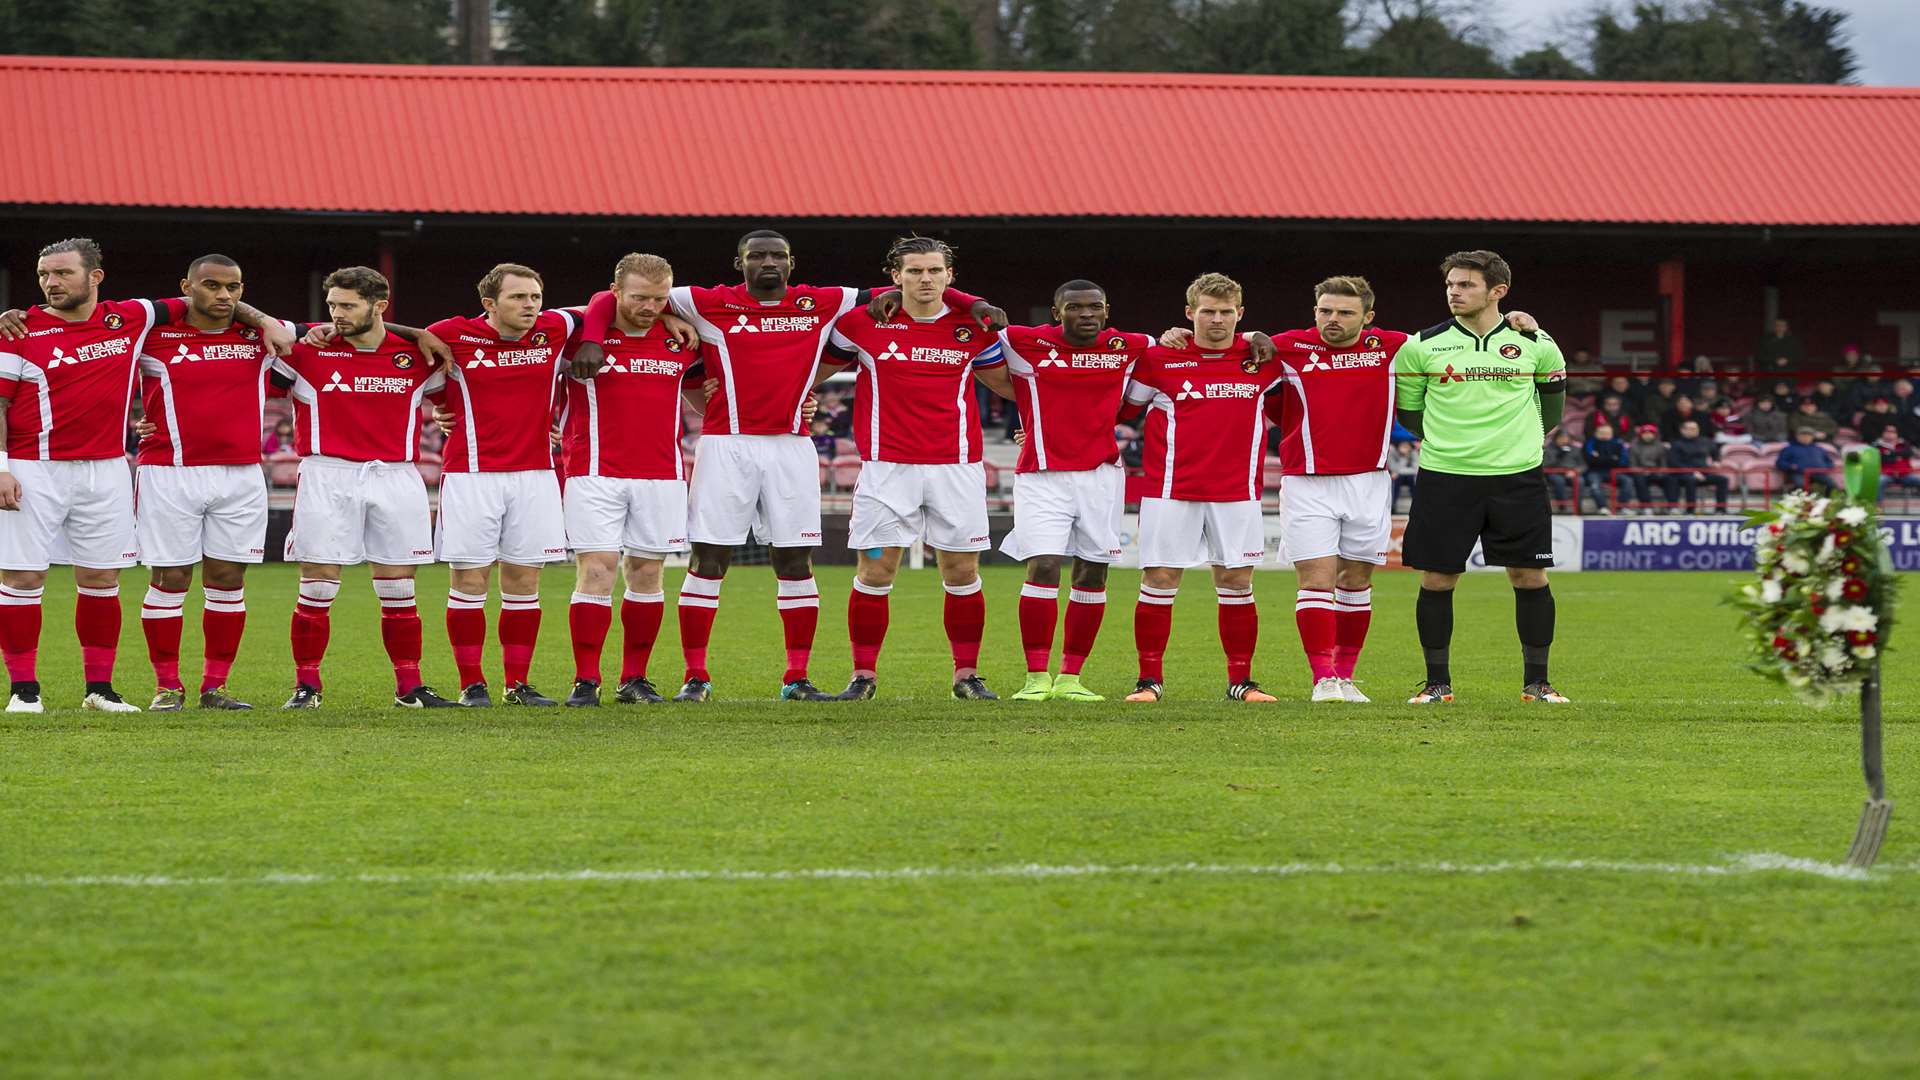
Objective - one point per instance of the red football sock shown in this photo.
(867, 625)
(1152, 626)
(400, 631)
(1239, 631)
(1352, 613)
(799, 604)
(640, 615)
(312, 624)
(1039, 610)
(519, 632)
(467, 634)
(588, 619)
(20, 631)
(96, 622)
(699, 603)
(966, 618)
(1085, 609)
(1313, 612)
(162, 617)
(223, 618)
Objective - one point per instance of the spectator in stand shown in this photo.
(1707, 394)
(1780, 350)
(1828, 400)
(1851, 362)
(1603, 454)
(1665, 393)
(1562, 454)
(1800, 461)
(834, 408)
(1692, 450)
(1906, 409)
(1648, 452)
(1695, 374)
(1871, 384)
(1583, 375)
(823, 438)
(1622, 387)
(1639, 394)
(1810, 416)
(1765, 421)
(1728, 426)
(278, 439)
(1896, 462)
(1611, 412)
(1683, 410)
(1783, 396)
(1403, 462)
(1877, 418)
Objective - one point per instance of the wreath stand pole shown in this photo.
(1863, 482)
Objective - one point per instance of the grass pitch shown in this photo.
(919, 886)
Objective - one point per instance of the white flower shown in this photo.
(1828, 553)
(1769, 591)
(1852, 515)
(1864, 652)
(1795, 563)
(1835, 588)
(1840, 620)
(1818, 514)
(1833, 657)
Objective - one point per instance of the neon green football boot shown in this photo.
(1039, 686)
(1069, 688)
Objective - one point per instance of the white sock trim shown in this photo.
(968, 589)
(695, 585)
(107, 593)
(457, 600)
(872, 590)
(519, 601)
(798, 587)
(1086, 596)
(229, 600)
(11, 597)
(592, 598)
(632, 597)
(1040, 592)
(1233, 596)
(163, 604)
(1162, 597)
(1353, 599)
(318, 592)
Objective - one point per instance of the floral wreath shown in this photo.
(1817, 619)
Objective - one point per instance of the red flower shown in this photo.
(1854, 589)
(1784, 646)
(1776, 528)
(1843, 538)
(1862, 637)
(1818, 605)
(1850, 566)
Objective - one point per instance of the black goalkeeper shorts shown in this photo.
(1510, 515)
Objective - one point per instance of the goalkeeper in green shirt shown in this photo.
(1482, 397)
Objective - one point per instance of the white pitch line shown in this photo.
(1734, 866)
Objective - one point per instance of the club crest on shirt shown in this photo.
(540, 338)
(1511, 352)
(249, 333)
(805, 303)
(113, 321)
(673, 345)
(963, 334)
(1116, 342)
(403, 361)
(1373, 341)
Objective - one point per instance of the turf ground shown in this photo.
(1636, 884)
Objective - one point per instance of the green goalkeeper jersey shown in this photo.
(1480, 396)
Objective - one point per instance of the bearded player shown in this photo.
(921, 475)
(66, 383)
(754, 472)
(1203, 453)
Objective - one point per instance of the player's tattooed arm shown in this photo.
(882, 306)
(428, 343)
(273, 332)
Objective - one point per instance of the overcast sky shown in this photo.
(1885, 33)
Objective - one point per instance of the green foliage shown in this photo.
(1776, 41)
(343, 31)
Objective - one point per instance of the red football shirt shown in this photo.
(625, 421)
(1204, 424)
(360, 406)
(913, 394)
(1336, 415)
(205, 392)
(501, 391)
(1069, 396)
(71, 383)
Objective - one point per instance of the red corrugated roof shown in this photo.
(785, 144)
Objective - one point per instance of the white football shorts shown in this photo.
(350, 512)
(769, 484)
(78, 512)
(1183, 533)
(895, 504)
(1068, 513)
(510, 517)
(189, 512)
(1347, 515)
(638, 517)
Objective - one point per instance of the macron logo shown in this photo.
(742, 326)
(337, 383)
(1053, 359)
(893, 352)
(1187, 391)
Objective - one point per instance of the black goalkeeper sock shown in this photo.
(1533, 618)
(1433, 615)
